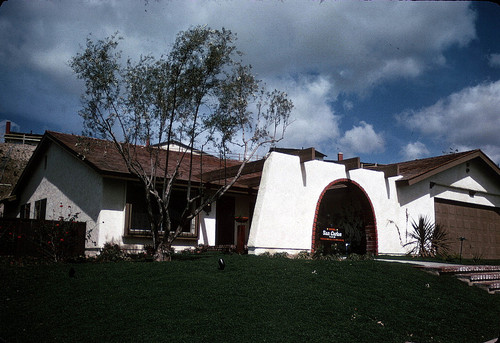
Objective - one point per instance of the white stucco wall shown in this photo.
(285, 206)
(454, 183)
(288, 196)
(112, 215)
(289, 193)
(69, 187)
(286, 203)
(206, 230)
(382, 195)
(451, 184)
(100, 202)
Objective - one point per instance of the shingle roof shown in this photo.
(103, 157)
(417, 170)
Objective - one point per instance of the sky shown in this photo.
(386, 81)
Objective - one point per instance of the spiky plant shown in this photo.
(440, 243)
(427, 239)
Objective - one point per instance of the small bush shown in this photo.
(149, 250)
(110, 253)
(303, 255)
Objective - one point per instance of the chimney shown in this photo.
(340, 156)
(7, 127)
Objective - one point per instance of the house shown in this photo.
(20, 137)
(15, 153)
(303, 199)
(294, 200)
(71, 174)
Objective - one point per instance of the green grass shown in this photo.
(255, 299)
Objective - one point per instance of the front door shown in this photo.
(225, 221)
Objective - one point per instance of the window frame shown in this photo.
(134, 196)
(25, 211)
(40, 212)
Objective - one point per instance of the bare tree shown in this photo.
(199, 93)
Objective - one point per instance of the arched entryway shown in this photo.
(344, 205)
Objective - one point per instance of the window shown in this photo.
(137, 223)
(40, 209)
(25, 211)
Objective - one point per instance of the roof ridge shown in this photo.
(455, 154)
(413, 171)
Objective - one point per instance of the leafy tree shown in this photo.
(200, 93)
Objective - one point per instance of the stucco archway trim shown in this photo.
(370, 228)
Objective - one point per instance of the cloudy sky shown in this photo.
(386, 81)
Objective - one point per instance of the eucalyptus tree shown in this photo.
(199, 92)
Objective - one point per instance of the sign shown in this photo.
(332, 234)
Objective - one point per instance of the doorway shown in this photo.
(345, 207)
(225, 221)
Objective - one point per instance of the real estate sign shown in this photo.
(332, 234)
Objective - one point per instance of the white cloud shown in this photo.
(312, 119)
(415, 150)
(494, 60)
(362, 139)
(348, 105)
(347, 46)
(350, 42)
(466, 118)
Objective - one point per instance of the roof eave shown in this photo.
(465, 158)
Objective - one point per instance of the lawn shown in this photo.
(255, 299)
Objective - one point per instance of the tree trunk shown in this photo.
(163, 252)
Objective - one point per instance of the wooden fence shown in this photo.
(49, 239)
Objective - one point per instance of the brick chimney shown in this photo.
(7, 127)
(340, 156)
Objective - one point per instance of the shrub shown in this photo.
(280, 254)
(110, 253)
(56, 238)
(303, 255)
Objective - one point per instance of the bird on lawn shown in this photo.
(222, 264)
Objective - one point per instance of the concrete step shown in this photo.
(485, 276)
(490, 287)
(494, 287)
(468, 269)
(478, 277)
(488, 282)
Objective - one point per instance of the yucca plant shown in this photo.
(427, 239)
(440, 243)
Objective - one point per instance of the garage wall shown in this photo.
(479, 225)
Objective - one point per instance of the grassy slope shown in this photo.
(255, 299)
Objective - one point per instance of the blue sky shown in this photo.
(386, 81)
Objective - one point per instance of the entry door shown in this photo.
(225, 221)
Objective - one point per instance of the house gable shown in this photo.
(66, 185)
(415, 171)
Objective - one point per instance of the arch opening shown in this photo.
(345, 207)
